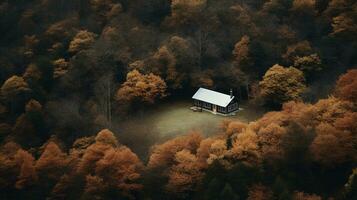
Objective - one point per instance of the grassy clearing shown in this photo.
(170, 120)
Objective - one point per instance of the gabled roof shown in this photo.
(212, 97)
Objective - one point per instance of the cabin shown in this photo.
(215, 102)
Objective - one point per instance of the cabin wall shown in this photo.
(221, 109)
(206, 105)
(232, 107)
(197, 103)
(203, 104)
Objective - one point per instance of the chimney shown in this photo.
(231, 93)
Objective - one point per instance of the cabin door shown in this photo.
(214, 108)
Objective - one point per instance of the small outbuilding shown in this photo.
(215, 102)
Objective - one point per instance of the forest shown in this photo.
(71, 69)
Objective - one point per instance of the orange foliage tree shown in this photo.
(107, 165)
(27, 175)
(185, 174)
(346, 86)
(52, 163)
(141, 87)
(241, 53)
(164, 154)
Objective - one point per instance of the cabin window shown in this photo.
(206, 105)
(221, 109)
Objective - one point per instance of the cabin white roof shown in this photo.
(212, 97)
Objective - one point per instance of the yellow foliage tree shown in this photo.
(281, 84)
(82, 41)
(13, 87)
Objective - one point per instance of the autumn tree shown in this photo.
(105, 136)
(19, 165)
(28, 128)
(245, 148)
(69, 55)
(173, 61)
(186, 12)
(184, 160)
(233, 127)
(14, 90)
(310, 64)
(344, 26)
(244, 61)
(330, 137)
(141, 88)
(196, 19)
(61, 31)
(271, 138)
(281, 84)
(104, 141)
(27, 176)
(108, 166)
(307, 6)
(346, 86)
(181, 48)
(98, 165)
(120, 168)
(202, 79)
(185, 174)
(259, 192)
(204, 152)
(81, 144)
(216, 152)
(164, 64)
(299, 49)
(242, 54)
(303, 57)
(82, 41)
(61, 67)
(32, 74)
(10, 169)
(177, 160)
(95, 187)
(51, 165)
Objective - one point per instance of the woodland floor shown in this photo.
(169, 120)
